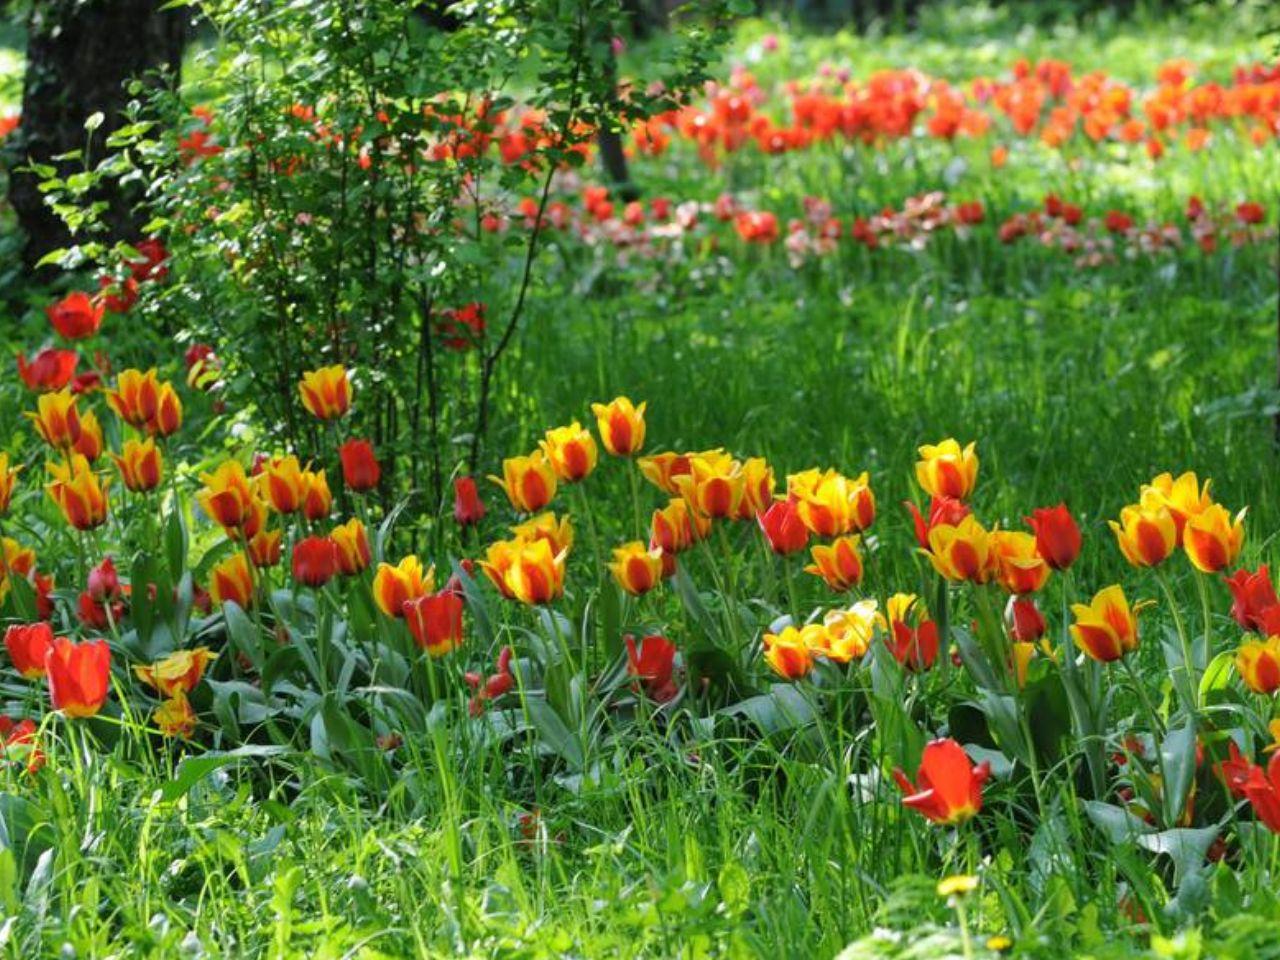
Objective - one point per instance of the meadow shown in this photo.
(905, 650)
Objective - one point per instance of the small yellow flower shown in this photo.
(960, 883)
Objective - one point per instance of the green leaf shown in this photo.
(194, 769)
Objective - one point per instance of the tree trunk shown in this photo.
(80, 54)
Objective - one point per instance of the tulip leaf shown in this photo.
(1117, 823)
(243, 634)
(1178, 759)
(194, 769)
(175, 542)
(1001, 712)
(1218, 675)
(1185, 847)
(554, 734)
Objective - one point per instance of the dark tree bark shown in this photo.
(80, 54)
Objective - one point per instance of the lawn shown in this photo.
(489, 761)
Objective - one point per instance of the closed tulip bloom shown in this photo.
(178, 673)
(621, 426)
(352, 543)
(1058, 538)
(168, 417)
(468, 509)
(1213, 538)
(572, 452)
(435, 621)
(788, 653)
(713, 488)
(962, 552)
(635, 569)
(500, 557)
(394, 586)
(48, 370)
(1262, 790)
(948, 787)
(1146, 532)
(136, 397)
(839, 563)
(89, 443)
(1019, 567)
(315, 561)
(140, 465)
(946, 470)
(1258, 663)
(265, 548)
(77, 492)
(782, 528)
(283, 483)
(231, 581)
(28, 645)
(862, 502)
(824, 501)
(175, 717)
(360, 469)
(914, 645)
(545, 526)
(326, 393)
(1106, 628)
(675, 528)
(847, 634)
(1184, 497)
(76, 315)
(8, 482)
(536, 575)
(1024, 620)
(79, 676)
(227, 497)
(318, 502)
(1252, 595)
(653, 664)
(757, 488)
(529, 482)
(56, 419)
(943, 511)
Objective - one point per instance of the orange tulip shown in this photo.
(265, 548)
(636, 569)
(1019, 566)
(535, 574)
(621, 426)
(661, 469)
(572, 452)
(56, 419)
(946, 470)
(318, 502)
(847, 633)
(231, 581)
(168, 417)
(89, 443)
(175, 717)
(140, 465)
(948, 787)
(354, 554)
(1106, 628)
(283, 483)
(394, 586)
(757, 488)
(961, 552)
(788, 653)
(529, 482)
(500, 557)
(1183, 497)
(326, 393)
(838, 564)
(713, 488)
(8, 481)
(227, 497)
(829, 503)
(136, 397)
(28, 645)
(1213, 539)
(178, 673)
(77, 492)
(545, 526)
(1146, 532)
(1258, 663)
(79, 676)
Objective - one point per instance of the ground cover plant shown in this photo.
(850, 536)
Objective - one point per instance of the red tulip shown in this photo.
(75, 316)
(1262, 790)
(1057, 536)
(48, 370)
(468, 508)
(79, 676)
(948, 787)
(315, 561)
(916, 648)
(435, 621)
(1025, 621)
(28, 644)
(360, 470)
(118, 296)
(1252, 595)
(151, 266)
(104, 581)
(783, 529)
(943, 511)
(653, 665)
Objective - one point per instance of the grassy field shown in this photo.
(768, 828)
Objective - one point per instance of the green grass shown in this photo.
(697, 836)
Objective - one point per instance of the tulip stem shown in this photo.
(1188, 667)
(635, 498)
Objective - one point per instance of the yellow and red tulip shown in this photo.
(352, 542)
(227, 496)
(545, 526)
(1020, 568)
(178, 673)
(136, 397)
(435, 621)
(318, 502)
(394, 586)
(283, 483)
(77, 492)
(839, 563)
(1212, 538)
(232, 581)
(326, 393)
(915, 645)
(175, 717)
(713, 487)
(961, 552)
(757, 488)
(265, 548)
(8, 482)
(1106, 628)
(789, 653)
(847, 633)
(1258, 663)
(1184, 497)
(140, 465)
(529, 482)
(535, 575)
(621, 426)
(572, 452)
(1146, 532)
(56, 419)
(89, 443)
(635, 569)
(947, 470)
